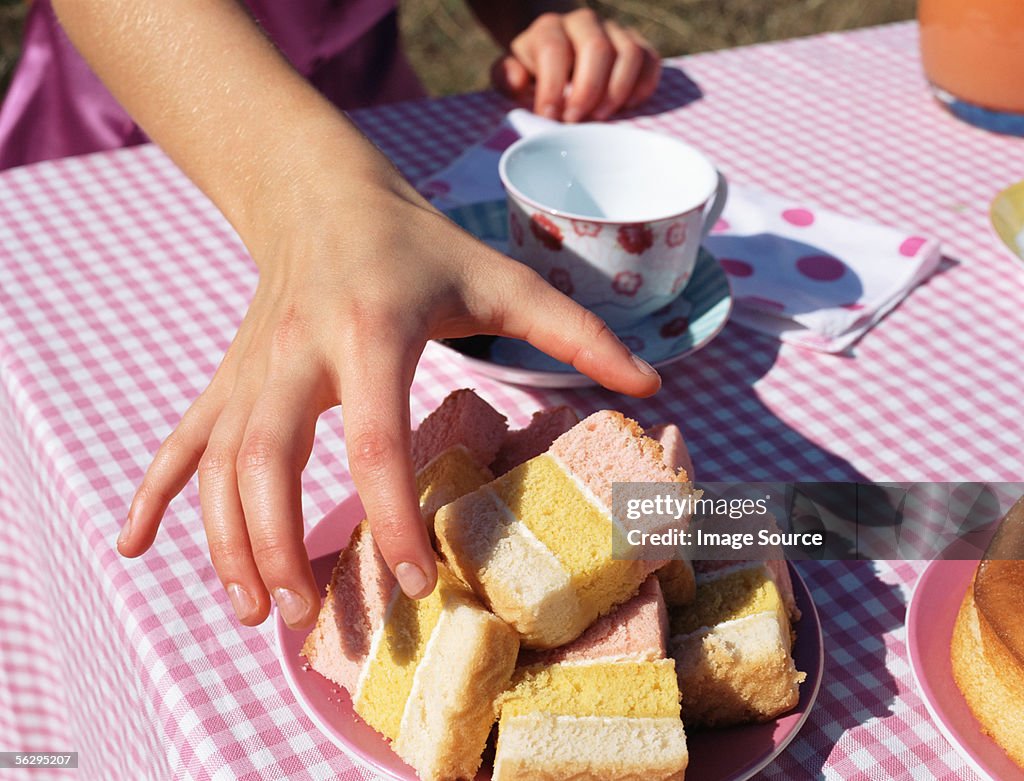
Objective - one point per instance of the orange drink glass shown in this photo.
(973, 54)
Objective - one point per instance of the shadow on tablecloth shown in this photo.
(732, 431)
(858, 611)
(734, 434)
(675, 90)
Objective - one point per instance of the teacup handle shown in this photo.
(715, 208)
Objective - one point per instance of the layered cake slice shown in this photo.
(362, 586)
(445, 478)
(675, 452)
(603, 707)
(462, 419)
(678, 582)
(451, 448)
(432, 677)
(521, 445)
(987, 649)
(732, 647)
(775, 565)
(635, 630)
(536, 544)
(425, 674)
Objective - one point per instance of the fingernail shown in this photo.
(550, 111)
(643, 366)
(572, 114)
(126, 531)
(411, 579)
(293, 607)
(243, 604)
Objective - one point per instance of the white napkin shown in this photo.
(805, 275)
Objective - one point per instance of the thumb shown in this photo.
(555, 324)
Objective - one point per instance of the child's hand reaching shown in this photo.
(353, 281)
(577, 66)
(357, 272)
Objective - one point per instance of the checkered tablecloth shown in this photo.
(121, 287)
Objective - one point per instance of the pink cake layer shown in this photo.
(608, 448)
(361, 584)
(462, 419)
(671, 440)
(520, 446)
(676, 576)
(361, 587)
(637, 628)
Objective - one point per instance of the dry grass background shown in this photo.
(452, 54)
(11, 14)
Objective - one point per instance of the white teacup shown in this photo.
(610, 215)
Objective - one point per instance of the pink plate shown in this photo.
(930, 618)
(730, 754)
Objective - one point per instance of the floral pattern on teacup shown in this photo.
(546, 232)
(636, 238)
(676, 234)
(679, 282)
(621, 271)
(584, 228)
(628, 283)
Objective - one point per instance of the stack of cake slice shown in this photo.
(732, 645)
(603, 707)
(522, 522)
(537, 543)
(424, 673)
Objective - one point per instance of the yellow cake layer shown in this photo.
(388, 678)
(551, 505)
(450, 475)
(741, 594)
(631, 689)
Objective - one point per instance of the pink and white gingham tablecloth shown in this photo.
(121, 286)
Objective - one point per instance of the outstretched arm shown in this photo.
(356, 273)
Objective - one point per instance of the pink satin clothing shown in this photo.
(56, 106)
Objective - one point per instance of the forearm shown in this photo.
(203, 81)
(505, 19)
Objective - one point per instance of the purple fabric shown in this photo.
(57, 107)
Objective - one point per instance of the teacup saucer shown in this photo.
(667, 335)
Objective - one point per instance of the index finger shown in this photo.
(375, 407)
(545, 50)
